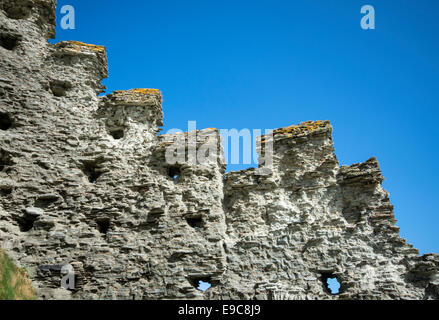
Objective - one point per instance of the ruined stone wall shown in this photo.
(84, 181)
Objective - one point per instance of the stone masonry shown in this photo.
(84, 181)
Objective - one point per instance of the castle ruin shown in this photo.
(84, 181)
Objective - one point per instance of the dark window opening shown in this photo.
(59, 88)
(201, 284)
(154, 217)
(174, 172)
(42, 164)
(117, 134)
(103, 225)
(195, 222)
(63, 194)
(140, 189)
(177, 256)
(8, 41)
(5, 192)
(5, 161)
(27, 223)
(92, 170)
(330, 283)
(19, 9)
(46, 200)
(43, 203)
(5, 121)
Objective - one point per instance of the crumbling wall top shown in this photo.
(78, 46)
(300, 130)
(136, 97)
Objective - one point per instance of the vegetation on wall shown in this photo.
(14, 283)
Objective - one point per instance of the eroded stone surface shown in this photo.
(83, 181)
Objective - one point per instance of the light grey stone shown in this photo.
(34, 211)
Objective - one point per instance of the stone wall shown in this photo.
(84, 181)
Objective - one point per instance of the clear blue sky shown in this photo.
(269, 64)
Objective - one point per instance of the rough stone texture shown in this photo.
(83, 181)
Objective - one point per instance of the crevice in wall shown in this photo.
(139, 189)
(177, 256)
(5, 191)
(5, 161)
(59, 88)
(195, 222)
(9, 41)
(6, 121)
(26, 223)
(42, 164)
(103, 225)
(92, 169)
(43, 204)
(153, 218)
(46, 200)
(117, 134)
(174, 172)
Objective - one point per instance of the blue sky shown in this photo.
(270, 64)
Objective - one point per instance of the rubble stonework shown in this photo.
(84, 181)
